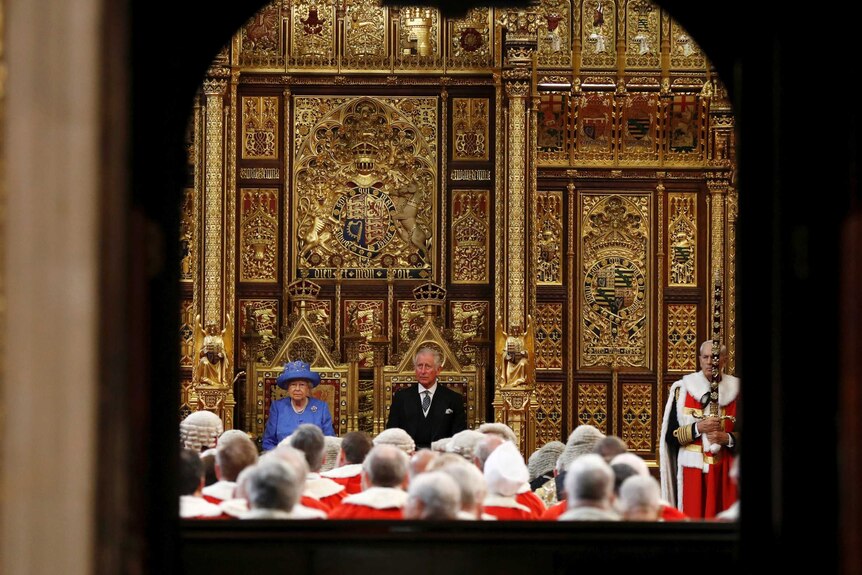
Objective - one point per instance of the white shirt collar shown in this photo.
(430, 390)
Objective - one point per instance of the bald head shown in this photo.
(485, 448)
(420, 461)
(385, 466)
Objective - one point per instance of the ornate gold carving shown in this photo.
(598, 34)
(258, 234)
(684, 52)
(411, 316)
(615, 279)
(593, 405)
(259, 127)
(639, 140)
(365, 419)
(232, 122)
(312, 38)
(260, 38)
(470, 229)
(517, 206)
(469, 320)
(187, 333)
(470, 129)
(365, 35)
(319, 315)
(730, 286)
(571, 192)
(480, 175)
(549, 238)
(188, 237)
(212, 248)
(717, 191)
(553, 137)
(499, 208)
(681, 337)
(682, 239)
(365, 176)
(419, 36)
(259, 173)
(554, 33)
(549, 412)
(637, 416)
(470, 40)
(259, 316)
(595, 127)
(684, 127)
(364, 317)
(642, 35)
(549, 336)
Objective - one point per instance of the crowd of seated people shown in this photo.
(474, 475)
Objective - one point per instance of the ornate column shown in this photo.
(718, 184)
(512, 398)
(213, 212)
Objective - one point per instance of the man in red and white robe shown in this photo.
(320, 492)
(235, 452)
(505, 474)
(697, 450)
(192, 504)
(384, 477)
(348, 468)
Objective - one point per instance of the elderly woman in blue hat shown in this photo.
(285, 415)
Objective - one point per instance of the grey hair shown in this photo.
(438, 357)
(289, 455)
(639, 492)
(439, 494)
(722, 351)
(386, 466)
(272, 484)
(485, 448)
(308, 438)
(589, 478)
(470, 481)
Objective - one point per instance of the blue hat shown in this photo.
(297, 370)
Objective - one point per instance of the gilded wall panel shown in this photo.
(684, 52)
(470, 40)
(261, 43)
(549, 238)
(615, 279)
(365, 181)
(260, 127)
(469, 320)
(681, 338)
(188, 237)
(258, 242)
(555, 33)
(419, 37)
(364, 317)
(312, 33)
(411, 318)
(470, 236)
(185, 391)
(643, 49)
(682, 239)
(595, 126)
(259, 316)
(549, 336)
(365, 35)
(598, 34)
(684, 124)
(187, 333)
(552, 128)
(593, 405)
(639, 125)
(549, 413)
(470, 121)
(319, 313)
(637, 415)
(365, 419)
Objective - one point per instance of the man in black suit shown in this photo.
(427, 411)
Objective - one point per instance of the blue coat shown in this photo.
(283, 420)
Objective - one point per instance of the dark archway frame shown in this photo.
(789, 309)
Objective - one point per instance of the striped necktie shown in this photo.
(426, 401)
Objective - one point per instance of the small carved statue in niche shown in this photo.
(515, 353)
(215, 352)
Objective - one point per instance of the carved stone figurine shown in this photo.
(215, 350)
(516, 354)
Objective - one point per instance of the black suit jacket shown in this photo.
(445, 418)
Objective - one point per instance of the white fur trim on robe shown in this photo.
(192, 506)
(234, 507)
(378, 498)
(318, 487)
(221, 490)
(343, 472)
(523, 489)
(502, 501)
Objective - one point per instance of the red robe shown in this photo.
(219, 491)
(350, 476)
(530, 500)
(373, 503)
(506, 509)
(326, 492)
(554, 511)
